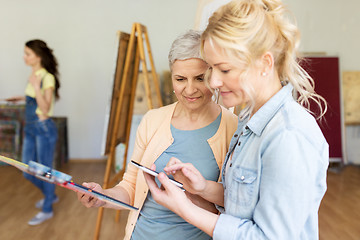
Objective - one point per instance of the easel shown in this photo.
(122, 104)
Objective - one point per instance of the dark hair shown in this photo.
(48, 60)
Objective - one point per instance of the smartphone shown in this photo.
(154, 173)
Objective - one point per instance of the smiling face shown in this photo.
(30, 58)
(239, 83)
(224, 76)
(188, 83)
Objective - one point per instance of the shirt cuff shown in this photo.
(226, 227)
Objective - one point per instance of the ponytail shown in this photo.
(48, 60)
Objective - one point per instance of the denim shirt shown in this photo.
(276, 178)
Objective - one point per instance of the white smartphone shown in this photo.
(154, 173)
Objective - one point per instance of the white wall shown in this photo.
(332, 26)
(83, 34)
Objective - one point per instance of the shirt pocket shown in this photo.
(243, 186)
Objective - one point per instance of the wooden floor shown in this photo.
(71, 221)
(339, 216)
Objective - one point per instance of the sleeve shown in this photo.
(129, 178)
(48, 81)
(292, 184)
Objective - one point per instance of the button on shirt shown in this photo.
(276, 178)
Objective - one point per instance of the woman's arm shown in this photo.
(214, 192)
(125, 190)
(43, 101)
(201, 202)
(15, 99)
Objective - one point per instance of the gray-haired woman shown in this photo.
(194, 129)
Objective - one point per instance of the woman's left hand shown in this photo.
(173, 198)
(35, 81)
(169, 196)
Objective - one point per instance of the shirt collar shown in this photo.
(263, 116)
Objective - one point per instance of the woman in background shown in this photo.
(195, 128)
(40, 133)
(274, 174)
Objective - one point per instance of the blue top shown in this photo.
(274, 183)
(156, 221)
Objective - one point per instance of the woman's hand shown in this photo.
(173, 198)
(169, 195)
(88, 200)
(187, 174)
(15, 99)
(35, 81)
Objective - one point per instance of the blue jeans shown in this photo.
(39, 146)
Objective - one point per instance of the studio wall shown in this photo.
(83, 34)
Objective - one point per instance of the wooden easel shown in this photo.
(131, 51)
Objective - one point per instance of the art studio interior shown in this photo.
(111, 65)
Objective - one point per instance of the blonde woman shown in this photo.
(274, 174)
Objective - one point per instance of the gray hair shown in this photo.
(185, 46)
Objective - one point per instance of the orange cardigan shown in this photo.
(153, 137)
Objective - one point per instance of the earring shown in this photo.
(263, 74)
(173, 91)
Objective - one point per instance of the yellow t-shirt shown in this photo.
(48, 81)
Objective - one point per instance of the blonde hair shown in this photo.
(247, 29)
